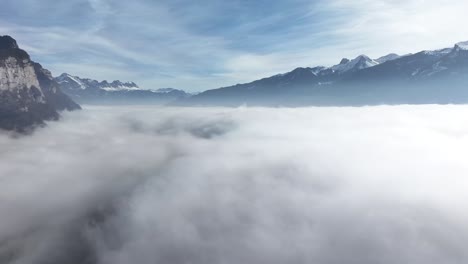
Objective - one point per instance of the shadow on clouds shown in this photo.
(249, 185)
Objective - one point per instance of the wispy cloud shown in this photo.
(208, 43)
(384, 25)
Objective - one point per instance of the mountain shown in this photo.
(389, 57)
(91, 91)
(74, 83)
(359, 63)
(438, 76)
(28, 93)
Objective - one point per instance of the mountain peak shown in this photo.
(64, 75)
(301, 69)
(301, 73)
(7, 42)
(344, 61)
(167, 90)
(359, 63)
(28, 94)
(75, 82)
(389, 57)
(462, 45)
(363, 61)
(363, 57)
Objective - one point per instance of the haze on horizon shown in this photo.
(208, 44)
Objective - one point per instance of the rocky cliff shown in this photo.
(28, 93)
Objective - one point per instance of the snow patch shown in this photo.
(78, 81)
(389, 57)
(440, 52)
(462, 45)
(359, 63)
(165, 90)
(317, 70)
(123, 87)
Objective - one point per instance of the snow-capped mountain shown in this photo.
(75, 83)
(28, 93)
(438, 53)
(432, 76)
(389, 57)
(462, 45)
(359, 63)
(86, 90)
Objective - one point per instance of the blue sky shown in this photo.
(204, 44)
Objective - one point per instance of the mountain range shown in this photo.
(438, 76)
(29, 95)
(88, 91)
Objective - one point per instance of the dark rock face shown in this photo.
(54, 94)
(344, 61)
(28, 93)
(7, 42)
(19, 111)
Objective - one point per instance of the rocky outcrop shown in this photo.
(28, 93)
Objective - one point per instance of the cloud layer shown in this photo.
(247, 185)
(209, 44)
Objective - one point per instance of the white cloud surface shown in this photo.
(248, 185)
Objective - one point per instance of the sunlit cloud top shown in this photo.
(198, 45)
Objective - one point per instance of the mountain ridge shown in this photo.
(359, 81)
(91, 91)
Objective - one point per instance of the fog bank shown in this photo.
(144, 185)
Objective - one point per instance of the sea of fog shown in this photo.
(118, 185)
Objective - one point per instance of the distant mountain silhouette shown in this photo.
(439, 76)
(94, 92)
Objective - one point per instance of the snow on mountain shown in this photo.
(121, 87)
(75, 82)
(359, 63)
(462, 45)
(317, 70)
(389, 57)
(440, 52)
(91, 91)
(165, 90)
(72, 80)
(346, 65)
(370, 81)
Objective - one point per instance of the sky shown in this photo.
(205, 44)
